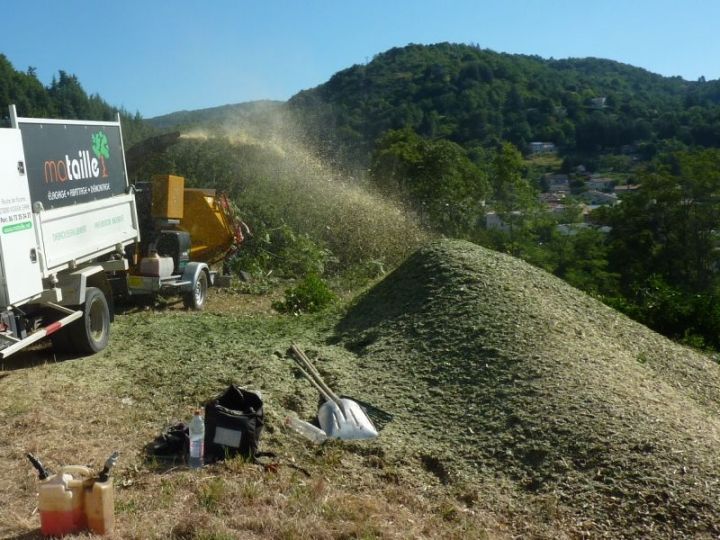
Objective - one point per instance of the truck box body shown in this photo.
(64, 200)
(20, 275)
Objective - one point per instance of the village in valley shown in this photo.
(565, 195)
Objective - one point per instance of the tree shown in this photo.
(668, 226)
(663, 244)
(513, 197)
(436, 176)
(580, 258)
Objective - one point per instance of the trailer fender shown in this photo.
(191, 273)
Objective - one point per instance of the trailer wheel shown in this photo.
(197, 297)
(91, 332)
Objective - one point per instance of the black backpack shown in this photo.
(233, 424)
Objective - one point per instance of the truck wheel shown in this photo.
(91, 332)
(61, 342)
(196, 298)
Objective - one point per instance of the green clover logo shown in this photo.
(100, 145)
(101, 149)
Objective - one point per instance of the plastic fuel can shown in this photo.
(100, 507)
(62, 501)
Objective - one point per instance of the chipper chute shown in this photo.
(340, 418)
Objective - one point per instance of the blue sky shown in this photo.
(157, 57)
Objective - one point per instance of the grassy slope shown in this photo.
(521, 407)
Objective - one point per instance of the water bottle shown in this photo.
(306, 429)
(197, 440)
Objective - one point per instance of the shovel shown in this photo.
(340, 418)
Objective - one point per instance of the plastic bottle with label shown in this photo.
(196, 456)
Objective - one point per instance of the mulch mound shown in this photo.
(498, 370)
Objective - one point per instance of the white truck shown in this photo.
(70, 234)
(67, 215)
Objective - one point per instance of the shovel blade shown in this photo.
(349, 422)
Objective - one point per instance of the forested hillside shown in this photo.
(436, 139)
(63, 98)
(479, 97)
(447, 129)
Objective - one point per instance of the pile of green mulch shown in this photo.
(500, 373)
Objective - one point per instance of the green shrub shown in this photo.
(282, 251)
(310, 295)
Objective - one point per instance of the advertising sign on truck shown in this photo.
(78, 187)
(71, 163)
(67, 219)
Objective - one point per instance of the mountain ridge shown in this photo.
(211, 114)
(478, 97)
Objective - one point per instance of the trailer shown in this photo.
(187, 233)
(67, 215)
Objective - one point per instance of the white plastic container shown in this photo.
(62, 502)
(157, 266)
(196, 456)
(306, 429)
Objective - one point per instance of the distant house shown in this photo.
(570, 229)
(558, 183)
(494, 222)
(598, 198)
(551, 197)
(625, 188)
(598, 103)
(542, 147)
(556, 208)
(599, 183)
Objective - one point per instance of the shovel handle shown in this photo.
(328, 393)
(314, 383)
(42, 471)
